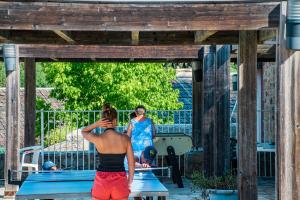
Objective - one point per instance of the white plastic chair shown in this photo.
(26, 152)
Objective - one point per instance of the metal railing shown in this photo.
(63, 143)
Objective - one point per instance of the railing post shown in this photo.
(42, 134)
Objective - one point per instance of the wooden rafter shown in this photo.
(200, 36)
(135, 37)
(64, 36)
(265, 35)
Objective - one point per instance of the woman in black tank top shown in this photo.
(110, 180)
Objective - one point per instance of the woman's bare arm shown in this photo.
(130, 160)
(153, 129)
(129, 130)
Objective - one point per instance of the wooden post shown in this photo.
(29, 104)
(222, 111)
(288, 117)
(208, 119)
(216, 116)
(197, 74)
(12, 120)
(247, 171)
(194, 158)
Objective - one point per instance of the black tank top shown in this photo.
(111, 162)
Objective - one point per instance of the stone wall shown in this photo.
(40, 92)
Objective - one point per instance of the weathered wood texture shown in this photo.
(247, 169)
(29, 104)
(118, 52)
(64, 36)
(197, 101)
(12, 126)
(103, 52)
(265, 53)
(201, 36)
(138, 17)
(208, 119)
(222, 134)
(288, 129)
(216, 119)
(125, 37)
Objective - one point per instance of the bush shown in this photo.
(205, 184)
(226, 182)
(55, 136)
(41, 105)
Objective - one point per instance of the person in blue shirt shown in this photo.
(49, 165)
(142, 131)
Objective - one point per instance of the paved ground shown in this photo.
(266, 190)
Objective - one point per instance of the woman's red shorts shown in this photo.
(110, 185)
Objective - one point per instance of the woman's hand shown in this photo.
(145, 165)
(103, 123)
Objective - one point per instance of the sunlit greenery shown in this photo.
(86, 86)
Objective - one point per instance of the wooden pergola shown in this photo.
(171, 31)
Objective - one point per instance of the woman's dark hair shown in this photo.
(140, 110)
(106, 106)
(132, 115)
(109, 113)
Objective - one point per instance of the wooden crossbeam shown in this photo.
(64, 36)
(200, 36)
(195, 16)
(135, 37)
(110, 51)
(4, 37)
(113, 52)
(265, 35)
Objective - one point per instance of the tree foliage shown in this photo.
(41, 80)
(86, 86)
(2, 75)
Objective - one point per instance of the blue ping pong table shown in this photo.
(78, 184)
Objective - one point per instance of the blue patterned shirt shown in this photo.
(141, 135)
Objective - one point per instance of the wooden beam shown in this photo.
(200, 36)
(138, 17)
(265, 53)
(197, 74)
(264, 35)
(64, 36)
(3, 39)
(164, 52)
(216, 111)
(288, 117)
(208, 116)
(221, 142)
(135, 37)
(12, 125)
(29, 102)
(247, 163)
(112, 52)
(54, 59)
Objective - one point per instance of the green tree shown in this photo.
(86, 86)
(41, 80)
(2, 75)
